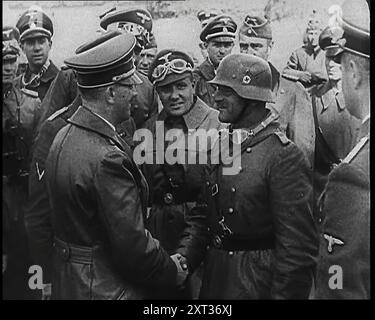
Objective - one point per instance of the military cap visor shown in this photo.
(34, 24)
(221, 28)
(105, 61)
(137, 16)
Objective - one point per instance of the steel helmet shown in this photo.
(249, 76)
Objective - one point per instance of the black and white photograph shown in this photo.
(200, 151)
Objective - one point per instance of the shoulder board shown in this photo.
(58, 113)
(30, 93)
(282, 137)
(356, 150)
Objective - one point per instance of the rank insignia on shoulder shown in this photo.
(58, 113)
(282, 137)
(332, 241)
(30, 93)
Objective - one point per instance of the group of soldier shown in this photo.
(103, 226)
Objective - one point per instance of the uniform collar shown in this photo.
(194, 117)
(105, 120)
(50, 73)
(275, 75)
(207, 69)
(91, 121)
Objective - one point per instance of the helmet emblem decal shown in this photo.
(246, 80)
(225, 30)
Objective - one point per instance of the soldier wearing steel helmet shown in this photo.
(263, 242)
(20, 113)
(344, 261)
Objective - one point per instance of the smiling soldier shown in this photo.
(36, 31)
(263, 239)
(175, 189)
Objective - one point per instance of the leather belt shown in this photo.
(73, 253)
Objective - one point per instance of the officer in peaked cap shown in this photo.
(203, 17)
(129, 260)
(20, 111)
(280, 184)
(306, 64)
(345, 202)
(139, 23)
(218, 37)
(136, 21)
(176, 188)
(335, 128)
(36, 31)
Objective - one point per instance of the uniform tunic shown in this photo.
(205, 91)
(182, 217)
(99, 198)
(264, 242)
(306, 59)
(344, 254)
(335, 133)
(15, 194)
(44, 82)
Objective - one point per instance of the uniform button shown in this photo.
(320, 220)
(248, 149)
(230, 210)
(208, 183)
(240, 169)
(231, 253)
(233, 189)
(233, 76)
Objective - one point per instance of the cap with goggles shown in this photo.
(170, 66)
(11, 48)
(105, 61)
(256, 26)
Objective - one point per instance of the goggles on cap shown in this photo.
(175, 66)
(10, 46)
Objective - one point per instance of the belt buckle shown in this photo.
(168, 198)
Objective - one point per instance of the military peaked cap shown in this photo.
(34, 23)
(221, 28)
(355, 22)
(327, 42)
(137, 16)
(105, 61)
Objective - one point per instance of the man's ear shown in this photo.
(205, 45)
(110, 95)
(355, 73)
(270, 44)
